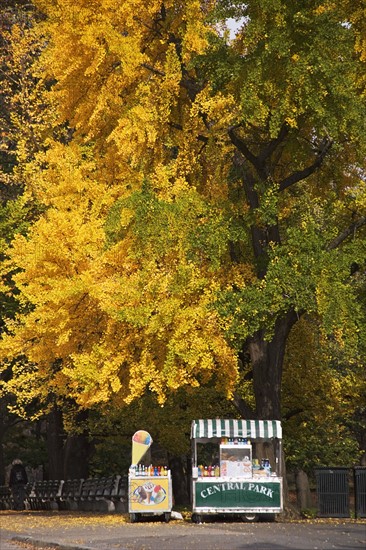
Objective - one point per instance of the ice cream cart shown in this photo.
(149, 487)
(230, 475)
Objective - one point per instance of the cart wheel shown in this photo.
(250, 518)
(196, 518)
(133, 518)
(167, 517)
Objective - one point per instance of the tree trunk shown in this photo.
(78, 448)
(76, 457)
(267, 362)
(362, 445)
(5, 425)
(179, 480)
(304, 499)
(55, 437)
(2, 460)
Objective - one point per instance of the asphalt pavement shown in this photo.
(67, 532)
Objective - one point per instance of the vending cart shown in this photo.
(236, 468)
(149, 487)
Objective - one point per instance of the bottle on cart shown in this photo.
(267, 466)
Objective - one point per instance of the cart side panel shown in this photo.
(150, 494)
(237, 494)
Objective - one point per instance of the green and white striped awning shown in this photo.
(253, 429)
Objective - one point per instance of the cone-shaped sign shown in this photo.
(141, 442)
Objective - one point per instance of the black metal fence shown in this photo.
(332, 486)
(333, 492)
(360, 492)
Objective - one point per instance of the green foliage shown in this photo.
(187, 229)
(22, 441)
(309, 513)
(320, 395)
(311, 79)
(110, 454)
(169, 425)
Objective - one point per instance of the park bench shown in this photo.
(45, 495)
(104, 494)
(106, 489)
(6, 499)
(28, 491)
(97, 493)
(70, 494)
(120, 499)
(87, 494)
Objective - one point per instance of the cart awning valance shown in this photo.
(253, 429)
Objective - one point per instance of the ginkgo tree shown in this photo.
(211, 192)
(83, 341)
(22, 123)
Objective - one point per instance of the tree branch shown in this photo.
(346, 233)
(187, 83)
(292, 413)
(245, 151)
(245, 410)
(152, 69)
(240, 145)
(306, 172)
(200, 137)
(273, 144)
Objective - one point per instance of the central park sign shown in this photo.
(238, 494)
